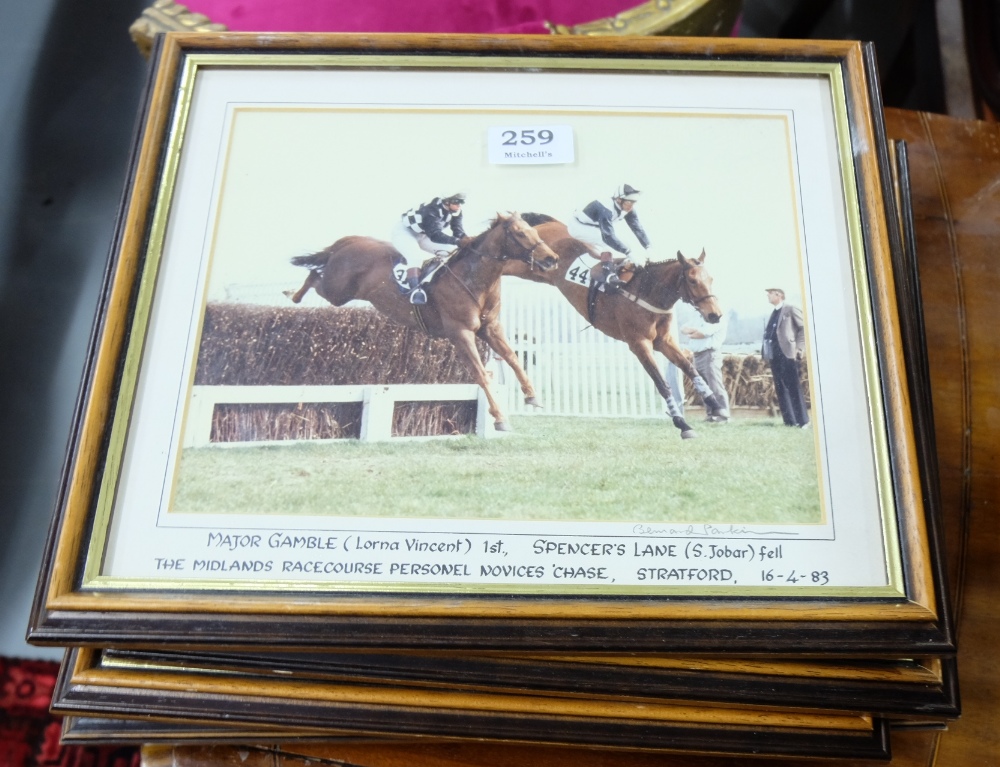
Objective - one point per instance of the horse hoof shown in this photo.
(290, 294)
(533, 401)
(502, 426)
(689, 434)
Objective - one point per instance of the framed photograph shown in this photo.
(387, 356)
(202, 694)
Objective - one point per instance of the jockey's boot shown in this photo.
(609, 275)
(417, 294)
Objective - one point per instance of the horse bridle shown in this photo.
(527, 255)
(687, 290)
(684, 290)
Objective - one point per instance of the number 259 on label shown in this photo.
(530, 145)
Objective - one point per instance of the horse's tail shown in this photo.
(313, 260)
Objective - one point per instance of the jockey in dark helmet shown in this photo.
(595, 225)
(424, 230)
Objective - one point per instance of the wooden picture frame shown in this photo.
(90, 730)
(859, 573)
(88, 687)
(901, 689)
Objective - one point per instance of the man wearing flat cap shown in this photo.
(784, 347)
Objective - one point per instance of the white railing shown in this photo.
(575, 369)
(377, 402)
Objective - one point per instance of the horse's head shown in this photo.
(696, 287)
(522, 242)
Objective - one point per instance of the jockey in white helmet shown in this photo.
(595, 225)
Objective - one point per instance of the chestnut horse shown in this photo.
(641, 312)
(463, 300)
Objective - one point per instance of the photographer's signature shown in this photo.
(707, 531)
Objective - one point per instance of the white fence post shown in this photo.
(376, 417)
(484, 421)
(201, 409)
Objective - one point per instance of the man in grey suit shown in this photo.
(784, 346)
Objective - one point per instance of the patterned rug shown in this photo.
(29, 734)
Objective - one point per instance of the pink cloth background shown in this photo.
(501, 16)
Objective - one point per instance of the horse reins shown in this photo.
(447, 268)
(528, 256)
(682, 289)
(529, 253)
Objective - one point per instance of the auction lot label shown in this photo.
(534, 145)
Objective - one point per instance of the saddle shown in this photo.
(427, 270)
(623, 270)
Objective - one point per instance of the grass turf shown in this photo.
(751, 470)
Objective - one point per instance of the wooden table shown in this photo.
(955, 178)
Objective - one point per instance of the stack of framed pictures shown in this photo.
(594, 578)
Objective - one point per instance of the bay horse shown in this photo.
(640, 312)
(463, 300)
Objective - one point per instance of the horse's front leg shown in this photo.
(312, 280)
(465, 342)
(643, 349)
(492, 333)
(666, 346)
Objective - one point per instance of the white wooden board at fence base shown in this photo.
(378, 402)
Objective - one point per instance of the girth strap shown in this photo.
(592, 290)
(420, 318)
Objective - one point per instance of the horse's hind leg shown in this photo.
(643, 349)
(312, 280)
(465, 342)
(494, 336)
